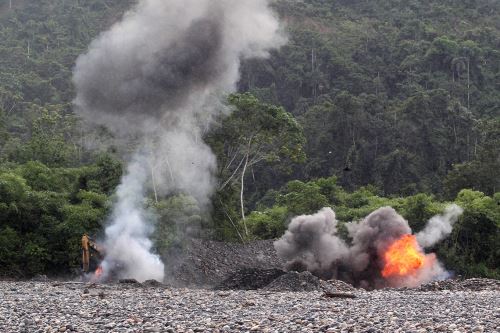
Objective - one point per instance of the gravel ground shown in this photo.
(63, 307)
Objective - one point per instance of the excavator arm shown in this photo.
(90, 249)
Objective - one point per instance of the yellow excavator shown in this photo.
(92, 254)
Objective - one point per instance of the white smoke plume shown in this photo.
(127, 240)
(159, 75)
(312, 243)
(439, 227)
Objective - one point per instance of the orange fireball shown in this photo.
(403, 257)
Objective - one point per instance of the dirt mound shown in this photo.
(295, 281)
(277, 280)
(250, 279)
(153, 284)
(476, 284)
(208, 263)
(305, 281)
(338, 286)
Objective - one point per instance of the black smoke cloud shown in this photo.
(154, 86)
(312, 243)
(158, 77)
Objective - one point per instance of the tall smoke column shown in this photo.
(159, 75)
(127, 238)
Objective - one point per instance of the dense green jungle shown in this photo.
(373, 103)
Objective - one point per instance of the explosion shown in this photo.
(403, 257)
(158, 78)
(382, 250)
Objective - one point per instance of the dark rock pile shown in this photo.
(250, 279)
(205, 263)
(295, 281)
(277, 280)
(153, 284)
(338, 286)
(475, 284)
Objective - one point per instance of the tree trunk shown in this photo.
(232, 222)
(242, 203)
(154, 181)
(468, 84)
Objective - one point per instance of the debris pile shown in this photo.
(205, 263)
(277, 280)
(250, 279)
(298, 282)
(475, 284)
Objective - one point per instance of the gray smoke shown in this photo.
(439, 227)
(312, 243)
(159, 76)
(372, 236)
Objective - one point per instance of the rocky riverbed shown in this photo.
(77, 307)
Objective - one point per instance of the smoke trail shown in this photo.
(439, 226)
(128, 247)
(159, 75)
(312, 243)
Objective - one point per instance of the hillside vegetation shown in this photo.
(372, 103)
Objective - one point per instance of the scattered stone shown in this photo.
(473, 306)
(248, 303)
(328, 294)
(129, 281)
(475, 284)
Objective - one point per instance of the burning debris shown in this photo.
(159, 75)
(383, 251)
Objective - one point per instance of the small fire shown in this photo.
(97, 274)
(403, 257)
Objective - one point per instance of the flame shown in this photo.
(97, 274)
(403, 257)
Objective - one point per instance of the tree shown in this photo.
(483, 172)
(255, 133)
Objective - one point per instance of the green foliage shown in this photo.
(418, 209)
(303, 198)
(388, 93)
(472, 249)
(268, 224)
(42, 219)
(177, 217)
(482, 172)
(255, 137)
